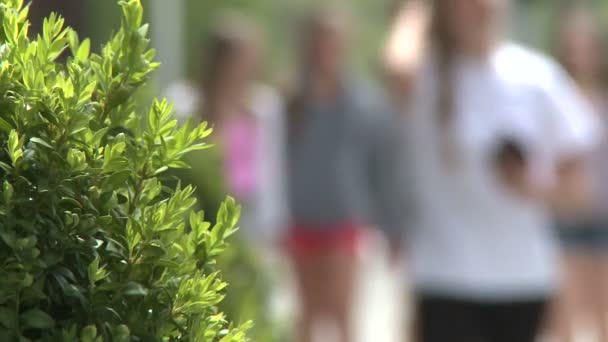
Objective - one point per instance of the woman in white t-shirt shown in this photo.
(496, 133)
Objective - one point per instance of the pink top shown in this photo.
(239, 136)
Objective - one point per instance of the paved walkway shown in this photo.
(380, 314)
(380, 303)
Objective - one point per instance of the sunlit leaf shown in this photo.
(41, 142)
(83, 50)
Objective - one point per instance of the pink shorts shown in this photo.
(310, 240)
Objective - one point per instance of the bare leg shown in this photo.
(600, 279)
(570, 307)
(558, 327)
(591, 293)
(311, 277)
(340, 291)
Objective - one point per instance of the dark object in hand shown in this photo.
(511, 163)
(509, 154)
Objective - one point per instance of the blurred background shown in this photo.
(261, 283)
(180, 27)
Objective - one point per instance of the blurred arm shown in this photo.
(568, 195)
(404, 48)
(577, 132)
(573, 131)
(389, 181)
(571, 196)
(271, 198)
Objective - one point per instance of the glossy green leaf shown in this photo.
(5, 126)
(36, 318)
(7, 318)
(92, 271)
(88, 334)
(14, 146)
(7, 191)
(41, 142)
(83, 50)
(117, 179)
(135, 289)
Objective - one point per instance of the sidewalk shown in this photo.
(380, 302)
(380, 314)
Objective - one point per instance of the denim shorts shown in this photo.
(584, 236)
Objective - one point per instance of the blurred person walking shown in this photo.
(496, 135)
(344, 175)
(248, 118)
(583, 300)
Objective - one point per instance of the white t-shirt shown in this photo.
(473, 237)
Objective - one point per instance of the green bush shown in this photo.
(251, 280)
(94, 246)
(249, 296)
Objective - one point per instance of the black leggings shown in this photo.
(451, 320)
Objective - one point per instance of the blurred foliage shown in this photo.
(94, 245)
(251, 284)
(278, 21)
(543, 15)
(248, 298)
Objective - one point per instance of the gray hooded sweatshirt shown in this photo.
(345, 163)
